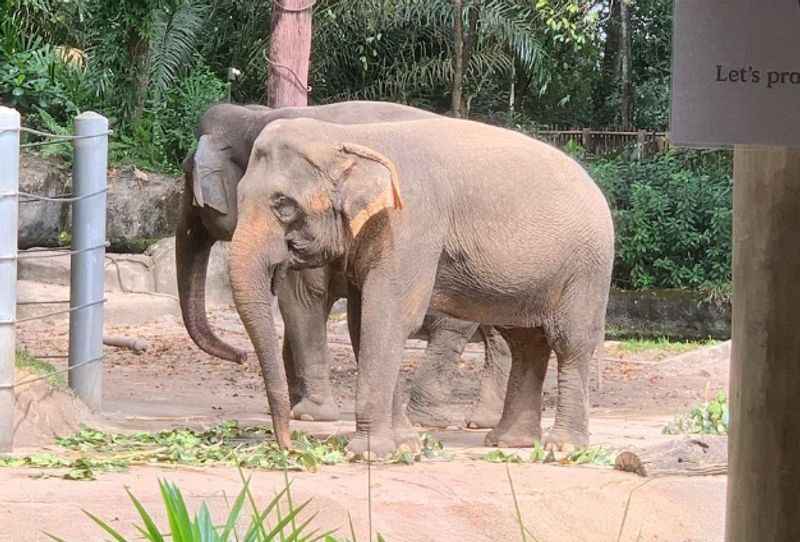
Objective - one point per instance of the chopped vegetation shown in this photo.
(589, 456)
(39, 367)
(710, 418)
(268, 524)
(91, 451)
(636, 346)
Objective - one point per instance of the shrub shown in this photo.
(672, 216)
(165, 133)
(710, 418)
(39, 80)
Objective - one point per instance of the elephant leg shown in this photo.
(581, 331)
(405, 435)
(521, 423)
(387, 318)
(494, 381)
(304, 305)
(431, 399)
(296, 386)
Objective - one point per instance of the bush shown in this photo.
(672, 216)
(165, 133)
(39, 80)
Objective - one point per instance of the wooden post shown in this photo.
(641, 142)
(289, 53)
(587, 140)
(764, 444)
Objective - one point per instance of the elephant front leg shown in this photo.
(494, 381)
(520, 426)
(431, 400)
(305, 316)
(386, 321)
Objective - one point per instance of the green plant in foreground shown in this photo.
(710, 418)
(269, 524)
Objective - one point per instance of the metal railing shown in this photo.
(87, 253)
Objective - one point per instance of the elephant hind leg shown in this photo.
(521, 423)
(582, 330)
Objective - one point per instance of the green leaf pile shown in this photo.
(710, 418)
(92, 450)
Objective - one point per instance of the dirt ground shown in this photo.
(175, 384)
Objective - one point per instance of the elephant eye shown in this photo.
(286, 209)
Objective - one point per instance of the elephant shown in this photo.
(477, 222)
(226, 134)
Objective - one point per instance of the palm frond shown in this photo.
(176, 27)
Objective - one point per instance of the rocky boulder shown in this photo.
(41, 222)
(142, 206)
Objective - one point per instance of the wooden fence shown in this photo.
(602, 142)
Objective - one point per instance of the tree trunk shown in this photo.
(289, 53)
(608, 70)
(457, 93)
(139, 58)
(626, 106)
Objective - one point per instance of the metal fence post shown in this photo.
(87, 266)
(9, 186)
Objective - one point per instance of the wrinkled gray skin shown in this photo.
(473, 221)
(226, 134)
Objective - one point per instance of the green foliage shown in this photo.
(37, 81)
(710, 418)
(25, 360)
(663, 344)
(269, 524)
(598, 455)
(165, 132)
(93, 451)
(673, 219)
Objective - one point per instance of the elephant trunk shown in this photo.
(192, 250)
(257, 248)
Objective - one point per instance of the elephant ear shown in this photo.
(367, 183)
(215, 176)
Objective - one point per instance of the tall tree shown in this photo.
(626, 68)
(605, 84)
(289, 53)
(457, 101)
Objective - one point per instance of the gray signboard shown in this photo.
(736, 73)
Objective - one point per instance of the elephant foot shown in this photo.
(512, 438)
(312, 411)
(564, 440)
(380, 447)
(407, 439)
(440, 416)
(485, 415)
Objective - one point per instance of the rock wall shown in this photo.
(679, 314)
(142, 207)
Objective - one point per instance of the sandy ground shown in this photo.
(466, 499)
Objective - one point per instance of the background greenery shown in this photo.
(153, 66)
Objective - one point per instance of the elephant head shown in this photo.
(209, 210)
(301, 204)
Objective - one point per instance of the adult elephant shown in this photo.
(480, 223)
(226, 135)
